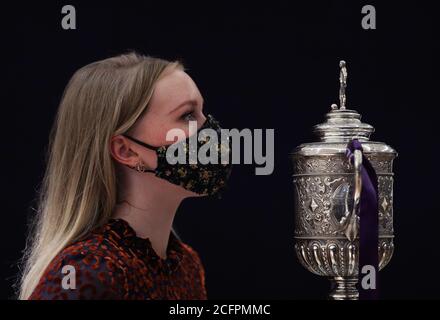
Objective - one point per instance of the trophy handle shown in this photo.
(351, 225)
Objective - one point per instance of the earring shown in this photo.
(140, 167)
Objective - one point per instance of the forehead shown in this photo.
(173, 89)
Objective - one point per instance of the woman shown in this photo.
(109, 195)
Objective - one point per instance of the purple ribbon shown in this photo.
(369, 221)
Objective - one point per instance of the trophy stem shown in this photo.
(344, 288)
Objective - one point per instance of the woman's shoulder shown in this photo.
(90, 268)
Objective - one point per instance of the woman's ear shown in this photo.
(126, 152)
(120, 149)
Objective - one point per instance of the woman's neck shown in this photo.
(150, 212)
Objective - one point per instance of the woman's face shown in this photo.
(176, 100)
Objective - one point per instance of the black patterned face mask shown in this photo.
(208, 178)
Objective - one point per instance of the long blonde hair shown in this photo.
(79, 189)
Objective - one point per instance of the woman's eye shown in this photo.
(188, 116)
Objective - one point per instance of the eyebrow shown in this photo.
(192, 102)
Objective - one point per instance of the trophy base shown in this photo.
(344, 288)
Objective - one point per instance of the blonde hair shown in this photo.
(79, 189)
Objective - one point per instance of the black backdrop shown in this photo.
(269, 65)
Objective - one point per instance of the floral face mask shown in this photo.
(200, 178)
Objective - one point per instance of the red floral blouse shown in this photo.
(113, 263)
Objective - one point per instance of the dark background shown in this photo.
(269, 65)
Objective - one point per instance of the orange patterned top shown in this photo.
(113, 263)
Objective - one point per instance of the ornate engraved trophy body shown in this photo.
(327, 198)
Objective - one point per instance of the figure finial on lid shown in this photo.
(343, 84)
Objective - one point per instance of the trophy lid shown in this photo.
(341, 126)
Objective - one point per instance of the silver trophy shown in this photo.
(327, 192)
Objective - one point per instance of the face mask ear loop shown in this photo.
(146, 145)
